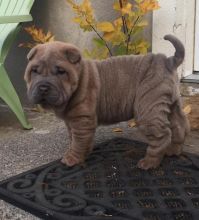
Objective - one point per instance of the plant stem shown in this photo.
(129, 34)
(125, 28)
(101, 38)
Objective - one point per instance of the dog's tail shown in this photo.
(174, 61)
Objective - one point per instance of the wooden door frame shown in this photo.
(196, 47)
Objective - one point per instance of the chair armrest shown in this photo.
(15, 19)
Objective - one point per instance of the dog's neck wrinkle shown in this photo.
(78, 95)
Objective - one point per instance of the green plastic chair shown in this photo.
(12, 13)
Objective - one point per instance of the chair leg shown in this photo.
(9, 95)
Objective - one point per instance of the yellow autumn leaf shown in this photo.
(77, 20)
(124, 2)
(85, 26)
(148, 5)
(38, 35)
(126, 7)
(117, 130)
(96, 53)
(84, 14)
(115, 37)
(87, 5)
(105, 27)
(187, 109)
(118, 23)
(116, 6)
(109, 36)
(87, 8)
(142, 24)
(49, 37)
(131, 123)
(141, 47)
(130, 20)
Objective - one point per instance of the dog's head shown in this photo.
(52, 74)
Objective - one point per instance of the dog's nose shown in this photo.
(44, 89)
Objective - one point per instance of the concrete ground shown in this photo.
(21, 150)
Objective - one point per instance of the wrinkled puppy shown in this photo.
(86, 93)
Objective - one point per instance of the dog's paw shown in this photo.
(149, 162)
(71, 160)
(174, 149)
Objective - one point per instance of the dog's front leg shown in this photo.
(82, 132)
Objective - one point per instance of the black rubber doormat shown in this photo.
(110, 186)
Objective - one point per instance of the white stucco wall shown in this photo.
(175, 17)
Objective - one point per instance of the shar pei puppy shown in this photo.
(87, 93)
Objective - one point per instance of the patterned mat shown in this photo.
(109, 186)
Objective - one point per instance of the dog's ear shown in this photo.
(32, 53)
(73, 55)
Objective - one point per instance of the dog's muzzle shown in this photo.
(45, 94)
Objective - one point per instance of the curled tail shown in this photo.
(174, 61)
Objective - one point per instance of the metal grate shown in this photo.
(110, 186)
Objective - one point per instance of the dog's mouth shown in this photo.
(48, 101)
(47, 95)
(43, 102)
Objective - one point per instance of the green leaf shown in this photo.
(120, 50)
(98, 42)
(10, 97)
(87, 54)
(137, 30)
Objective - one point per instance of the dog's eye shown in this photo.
(34, 70)
(61, 71)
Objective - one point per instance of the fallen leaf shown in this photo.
(132, 123)
(117, 130)
(187, 109)
(42, 132)
(38, 108)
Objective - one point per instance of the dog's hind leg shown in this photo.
(179, 127)
(154, 124)
(159, 138)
